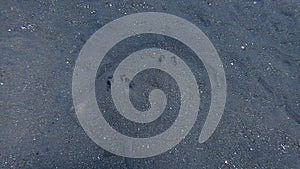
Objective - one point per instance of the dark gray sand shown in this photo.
(258, 43)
